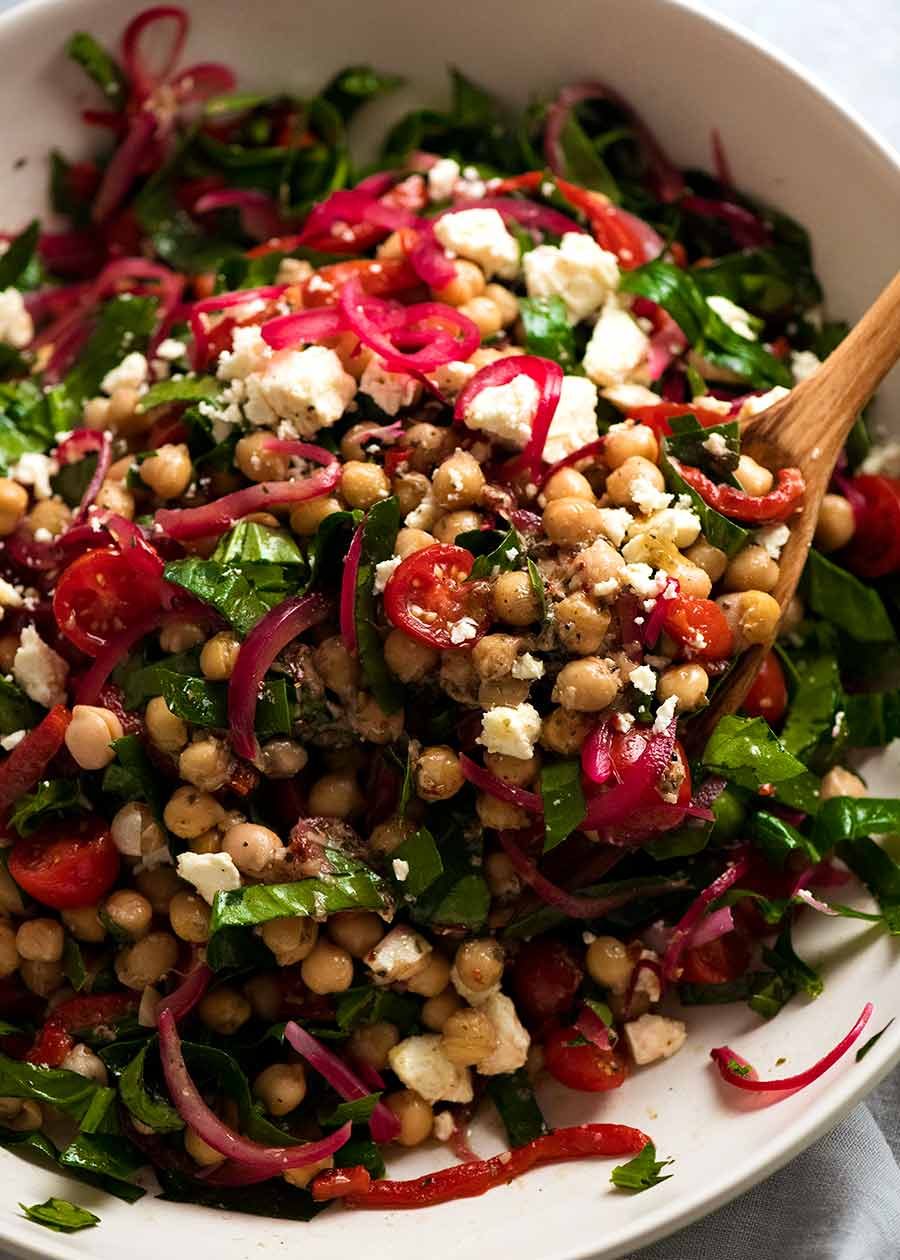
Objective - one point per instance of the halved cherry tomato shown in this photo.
(51, 1045)
(657, 415)
(768, 697)
(68, 864)
(718, 961)
(874, 550)
(80, 1014)
(652, 812)
(429, 598)
(102, 593)
(699, 627)
(585, 1067)
(545, 979)
(382, 277)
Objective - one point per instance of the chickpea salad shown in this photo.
(373, 543)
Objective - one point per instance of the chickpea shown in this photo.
(751, 569)
(468, 1036)
(356, 439)
(206, 763)
(587, 685)
(710, 559)
(207, 842)
(189, 917)
(147, 961)
(224, 1010)
(753, 478)
(42, 978)
(458, 481)
(582, 628)
(485, 314)
(168, 472)
(506, 302)
(568, 484)
(572, 522)
(95, 414)
(252, 847)
(518, 771)
(306, 517)
(447, 528)
(390, 834)
(415, 1116)
(9, 955)
(509, 691)
(282, 758)
(201, 1152)
(362, 485)
(371, 1044)
(114, 497)
(257, 462)
(836, 523)
(458, 677)
(609, 963)
(219, 656)
(159, 886)
(502, 878)
(478, 964)
(9, 645)
(81, 1059)
(167, 731)
(89, 736)
(688, 683)
(410, 489)
(438, 775)
(433, 977)
(327, 968)
(130, 913)
(467, 283)
(372, 723)
(407, 659)
(437, 1010)
(494, 655)
(841, 782)
(180, 636)
(122, 414)
(135, 831)
(338, 669)
(564, 731)
(356, 931)
(429, 445)
(791, 617)
(25, 1116)
(300, 1178)
(40, 940)
(499, 815)
(628, 440)
(191, 812)
(515, 600)
(751, 615)
(263, 992)
(13, 505)
(336, 796)
(693, 580)
(290, 940)
(84, 924)
(50, 514)
(281, 1087)
(635, 471)
(410, 540)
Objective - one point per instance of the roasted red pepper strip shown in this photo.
(51, 1045)
(27, 762)
(467, 1181)
(342, 1183)
(765, 509)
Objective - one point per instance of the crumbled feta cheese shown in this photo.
(804, 364)
(574, 422)
(761, 402)
(452, 377)
(644, 679)
(772, 538)
(42, 535)
(624, 722)
(210, 873)
(647, 497)
(737, 319)
(390, 390)
(421, 1065)
(838, 723)
(628, 397)
(383, 572)
(577, 270)
(664, 715)
(425, 515)
(680, 525)
(617, 347)
(883, 460)
(131, 373)
(513, 1041)
(506, 411)
(647, 977)
(169, 349)
(9, 596)
(307, 387)
(16, 325)
(400, 869)
(481, 236)
(654, 1037)
(511, 730)
(527, 668)
(11, 741)
(463, 630)
(249, 353)
(39, 671)
(398, 956)
(35, 470)
(715, 444)
(444, 1126)
(442, 179)
(640, 577)
(615, 522)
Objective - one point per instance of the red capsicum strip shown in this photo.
(765, 509)
(467, 1181)
(28, 760)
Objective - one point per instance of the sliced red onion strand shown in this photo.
(383, 1124)
(286, 331)
(596, 759)
(181, 1001)
(583, 452)
(652, 627)
(721, 165)
(547, 376)
(684, 928)
(747, 228)
(145, 81)
(712, 927)
(365, 316)
(221, 1137)
(592, 1028)
(260, 216)
(529, 214)
(348, 590)
(724, 1057)
(709, 791)
(616, 805)
(808, 899)
(494, 786)
(79, 444)
(222, 302)
(300, 450)
(126, 164)
(93, 679)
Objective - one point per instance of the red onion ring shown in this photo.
(583, 452)
(547, 375)
(144, 82)
(494, 786)
(383, 1124)
(596, 761)
(260, 216)
(530, 214)
(181, 1001)
(365, 316)
(684, 928)
(221, 302)
(710, 928)
(286, 331)
(652, 627)
(747, 228)
(80, 443)
(615, 806)
(126, 164)
(93, 679)
(348, 590)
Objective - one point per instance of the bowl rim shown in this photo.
(848, 1089)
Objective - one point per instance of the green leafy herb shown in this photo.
(791, 975)
(654, 901)
(779, 840)
(564, 807)
(73, 479)
(871, 719)
(718, 529)
(227, 589)
(328, 546)
(688, 444)
(879, 872)
(846, 602)
(850, 818)
(67, 1091)
(364, 1005)
(131, 776)
(513, 1096)
(125, 324)
(251, 543)
(151, 1110)
(509, 553)
(583, 162)
(204, 703)
(28, 422)
(548, 332)
(17, 711)
(864, 1050)
(421, 855)
(642, 1172)
(235, 949)
(684, 841)
(715, 994)
(181, 389)
(100, 66)
(51, 799)
(73, 964)
(352, 87)
(108, 1157)
(273, 1199)
(380, 529)
(815, 700)
(357, 1111)
(60, 1215)
(748, 752)
(17, 258)
(359, 889)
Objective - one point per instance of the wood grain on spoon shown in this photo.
(807, 430)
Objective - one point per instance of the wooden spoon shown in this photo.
(807, 430)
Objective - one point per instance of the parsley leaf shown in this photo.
(60, 1215)
(642, 1172)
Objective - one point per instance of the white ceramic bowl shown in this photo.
(788, 143)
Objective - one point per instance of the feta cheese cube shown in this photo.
(679, 525)
(760, 402)
(16, 325)
(39, 671)
(444, 1126)
(400, 869)
(617, 348)
(615, 523)
(654, 1037)
(804, 364)
(398, 955)
(737, 319)
(442, 179)
(505, 411)
(307, 387)
(390, 390)
(249, 353)
(384, 571)
(527, 668)
(511, 730)
(513, 1041)
(715, 444)
(664, 715)
(170, 350)
(772, 538)
(577, 270)
(422, 1065)
(639, 575)
(35, 470)
(574, 422)
(13, 740)
(644, 679)
(425, 515)
(463, 630)
(131, 373)
(480, 236)
(627, 397)
(210, 873)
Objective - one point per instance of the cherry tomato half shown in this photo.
(699, 627)
(718, 961)
(83, 1014)
(382, 277)
(652, 811)
(585, 1067)
(545, 979)
(874, 549)
(768, 697)
(102, 593)
(429, 598)
(68, 864)
(51, 1045)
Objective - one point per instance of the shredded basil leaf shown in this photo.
(22, 251)
(864, 1050)
(100, 66)
(845, 601)
(151, 1110)
(642, 1172)
(51, 799)
(60, 1215)
(421, 855)
(514, 1097)
(547, 330)
(181, 389)
(251, 543)
(360, 889)
(352, 87)
(564, 807)
(17, 711)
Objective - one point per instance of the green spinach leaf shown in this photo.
(514, 1097)
(60, 1215)
(548, 333)
(845, 601)
(642, 1172)
(564, 807)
